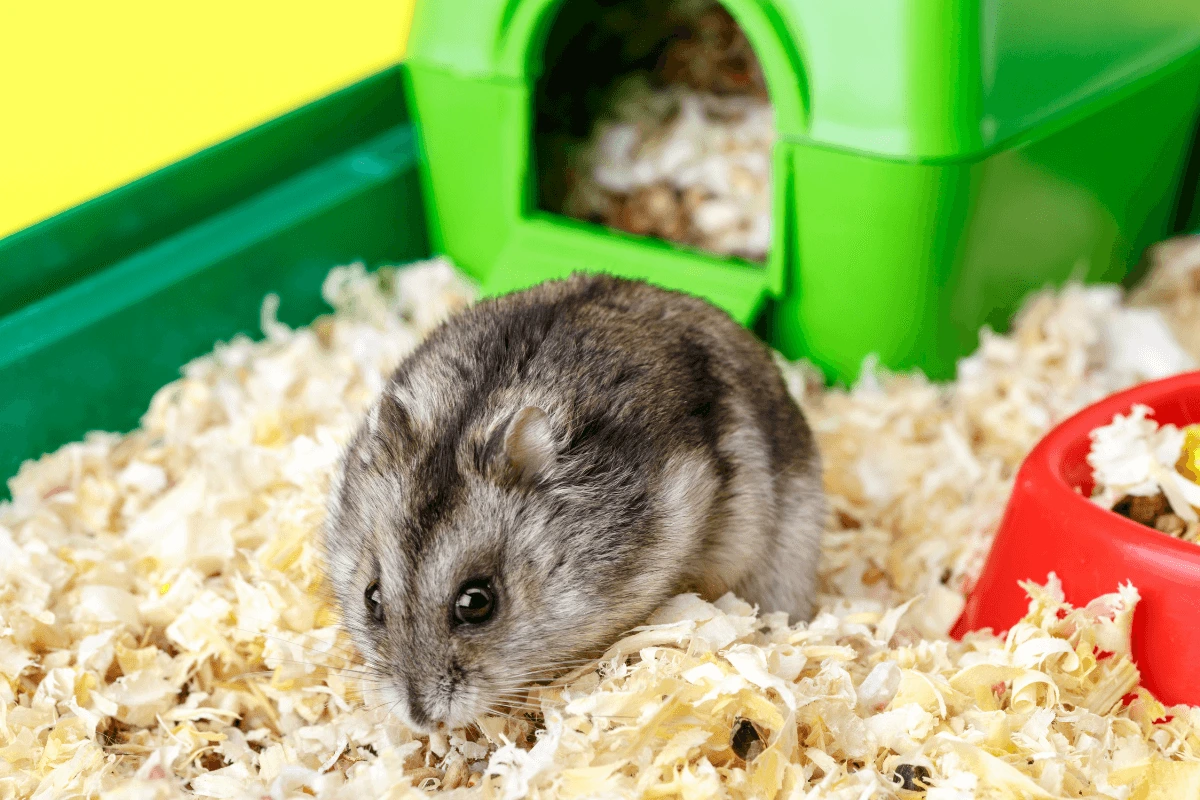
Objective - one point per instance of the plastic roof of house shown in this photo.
(896, 78)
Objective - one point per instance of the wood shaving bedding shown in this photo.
(683, 153)
(681, 165)
(165, 633)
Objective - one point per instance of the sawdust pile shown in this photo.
(164, 633)
(683, 151)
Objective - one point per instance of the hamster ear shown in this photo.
(393, 416)
(390, 428)
(529, 442)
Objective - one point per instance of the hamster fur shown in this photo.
(557, 463)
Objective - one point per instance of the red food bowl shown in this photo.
(1051, 526)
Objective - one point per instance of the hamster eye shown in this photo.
(476, 602)
(374, 599)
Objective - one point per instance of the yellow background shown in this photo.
(94, 94)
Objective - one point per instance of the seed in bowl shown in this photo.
(1148, 472)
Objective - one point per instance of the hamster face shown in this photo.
(457, 563)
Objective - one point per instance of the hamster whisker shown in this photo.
(561, 663)
(515, 688)
(526, 681)
(357, 671)
(521, 709)
(504, 692)
(523, 681)
(514, 698)
(496, 712)
(516, 703)
(551, 668)
(514, 712)
(509, 689)
(381, 704)
(391, 708)
(519, 690)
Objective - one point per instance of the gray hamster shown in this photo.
(549, 466)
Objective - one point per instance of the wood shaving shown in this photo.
(1148, 472)
(165, 630)
(683, 153)
(683, 166)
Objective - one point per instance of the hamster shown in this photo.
(546, 469)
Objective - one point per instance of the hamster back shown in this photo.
(547, 468)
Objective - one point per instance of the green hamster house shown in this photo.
(935, 160)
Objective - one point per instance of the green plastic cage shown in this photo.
(935, 160)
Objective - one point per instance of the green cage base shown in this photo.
(262, 213)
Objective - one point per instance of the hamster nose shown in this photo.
(419, 714)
